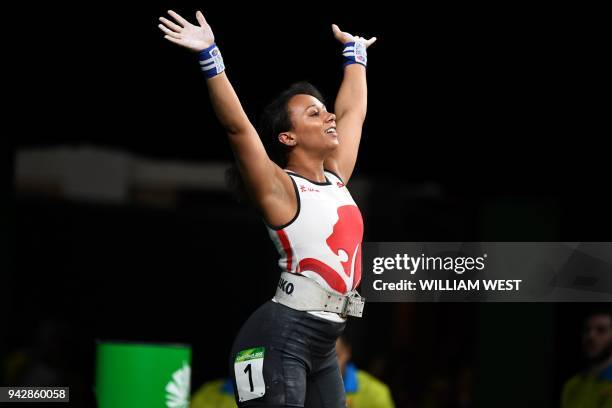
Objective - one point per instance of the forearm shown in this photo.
(243, 137)
(226, 104)
(353, 93)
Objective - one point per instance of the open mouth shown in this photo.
(332, 131)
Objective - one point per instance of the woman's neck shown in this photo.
(311, 169)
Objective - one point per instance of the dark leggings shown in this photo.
(300, 367)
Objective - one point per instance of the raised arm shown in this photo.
(350, 109)
(266, 183)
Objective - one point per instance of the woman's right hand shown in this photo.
(183, 33)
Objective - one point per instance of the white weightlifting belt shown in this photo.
(301, 293)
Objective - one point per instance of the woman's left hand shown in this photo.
(345, 37)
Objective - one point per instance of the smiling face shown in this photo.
(314, 128)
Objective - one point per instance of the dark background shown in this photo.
(500, 109)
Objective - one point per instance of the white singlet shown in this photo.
(323, 240)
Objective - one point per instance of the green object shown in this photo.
(250, 354)
(133, 375)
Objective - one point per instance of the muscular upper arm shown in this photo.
(268, 186)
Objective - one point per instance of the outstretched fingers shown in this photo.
(169, 32)
(366, 42)
(340, 35)
(174, 27)
(201, 19)
(178, 18)
(344, 36)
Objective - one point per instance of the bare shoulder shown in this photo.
(280, 207)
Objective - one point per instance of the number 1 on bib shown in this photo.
(248, 370)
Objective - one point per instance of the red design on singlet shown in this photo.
(282, 236)
(327, 272)
(346, 238)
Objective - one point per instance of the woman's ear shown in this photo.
(287, 138)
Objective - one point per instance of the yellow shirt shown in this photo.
(365, 391)
(214, 394)
(582, 391)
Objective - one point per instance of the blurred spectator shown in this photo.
(214, 394)
(362, 389)
(592, 387)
